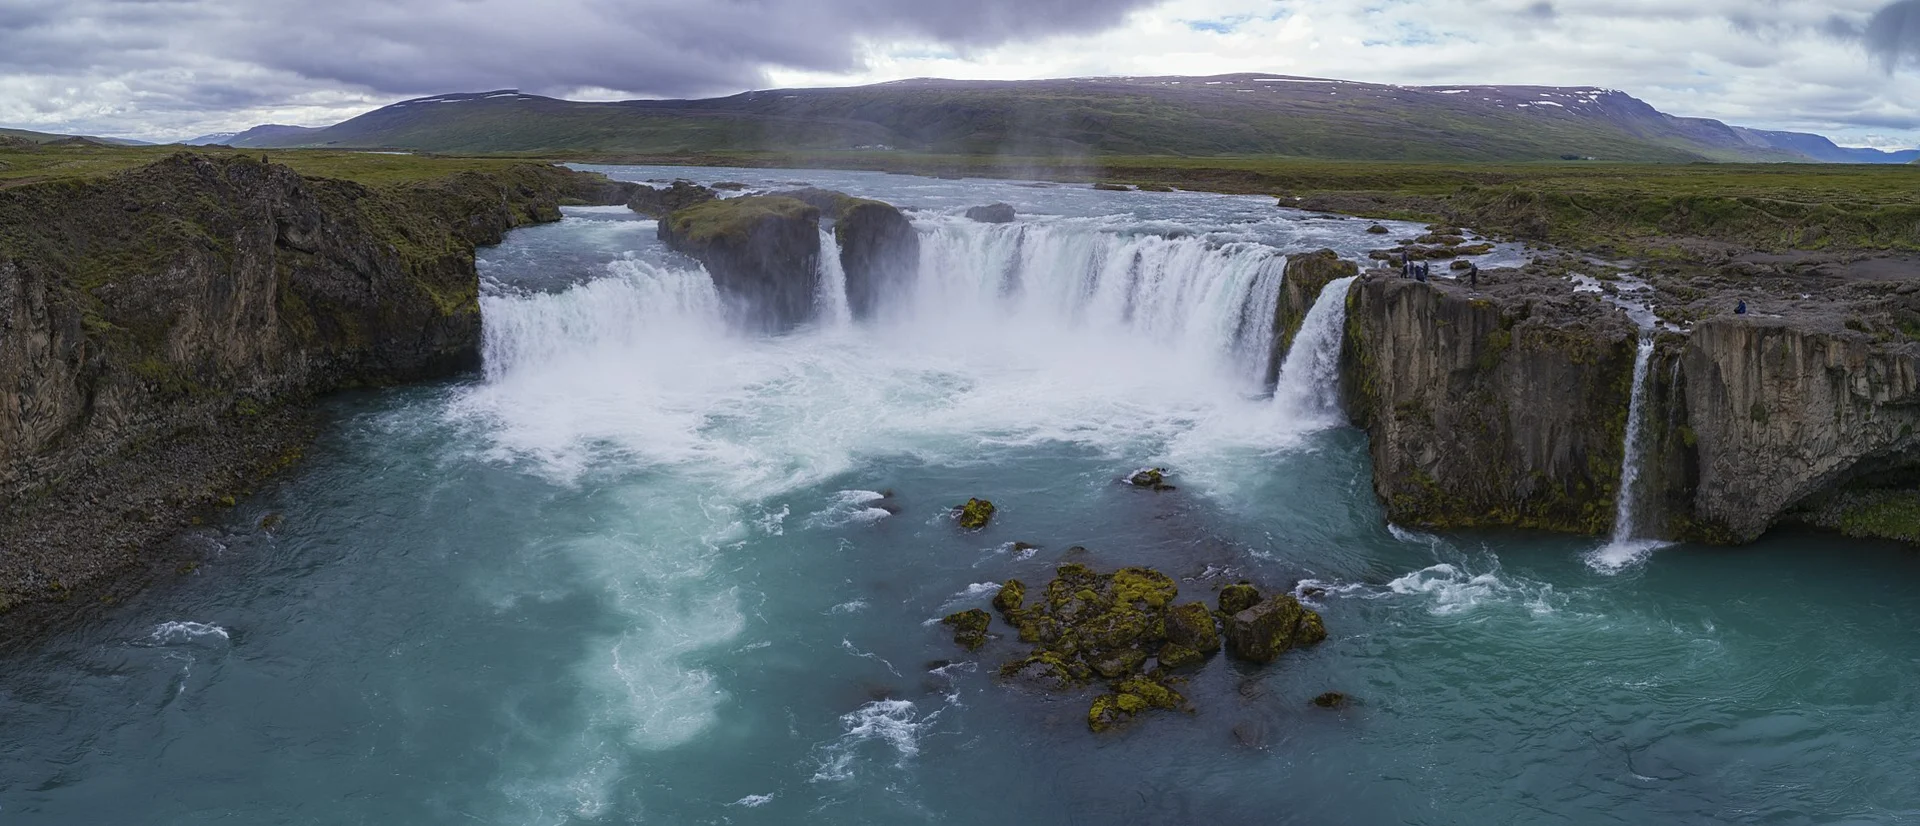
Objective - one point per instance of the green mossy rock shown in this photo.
(1151, 478)
(1012, 596)
(969, 627)
(1262, 633)
(1174, 656)
(975, 514)
(1237, 598)
(1109, 187)
(1191, 626)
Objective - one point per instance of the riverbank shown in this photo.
(163, 326)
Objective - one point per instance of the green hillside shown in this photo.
(1233, 115)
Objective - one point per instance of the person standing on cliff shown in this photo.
(1473, 275)
(1741, 308)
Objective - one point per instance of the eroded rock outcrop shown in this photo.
(763, 253)
(1489, 409)
(660, 202)
(1778, 412)
(879, 248)
(156, 324)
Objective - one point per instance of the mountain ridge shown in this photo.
(1223, 115)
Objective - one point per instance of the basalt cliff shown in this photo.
(160, 329)
(1508, 404)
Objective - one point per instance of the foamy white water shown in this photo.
(1309, 385)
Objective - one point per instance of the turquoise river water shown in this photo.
(633, 573)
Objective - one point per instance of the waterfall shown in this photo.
(1624, 549)
(1212, 302)
(832, 299)
(1309, 385)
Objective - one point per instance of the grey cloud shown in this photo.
(1893, 35)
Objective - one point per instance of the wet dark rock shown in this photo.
(1110, 187)
(992, 214)
(1262, 633)
(1331, 699)
(1377, 229)
(1152, 479)
(1023, 549)
(730, 186)
(975, 514)
(1076, 550)
(969, 627)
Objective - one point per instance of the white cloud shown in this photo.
(95, 66)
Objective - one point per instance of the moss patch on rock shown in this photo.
(975, 514)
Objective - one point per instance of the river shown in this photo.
(633, 572)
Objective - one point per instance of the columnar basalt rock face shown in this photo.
(145, 310)
(1489, 411)
(1780, 413)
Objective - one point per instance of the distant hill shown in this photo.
(1821, 149)
(272, 134)
(1228, 115)
(47, 137)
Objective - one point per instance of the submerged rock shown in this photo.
(1331, 699)
(1152, 479)
(992, 214)
(975, 514)
(1377, 229)
(1262, 633)
(969, 627)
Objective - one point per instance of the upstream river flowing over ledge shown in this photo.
(647, 568)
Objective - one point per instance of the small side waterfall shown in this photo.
(832, 298)
(1309, 385)
(1624, 548)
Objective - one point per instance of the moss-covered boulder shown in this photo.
(1331, 699)
(1262, 633)
(1191, 625)
(1238, 597)
(975, 514)
(763, 253)
(969, 627)
(1378, 229)
(1130, 697)
(1012, 597)
(992, 214)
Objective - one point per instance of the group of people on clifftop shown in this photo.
(1418, 271)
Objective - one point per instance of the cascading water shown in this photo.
(1624, 548)
(1309, 386)
(832, 300)
(1211, 303)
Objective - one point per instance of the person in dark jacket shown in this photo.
(1473, 275)
(1741, 308)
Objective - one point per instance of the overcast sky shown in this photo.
(171, 69)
